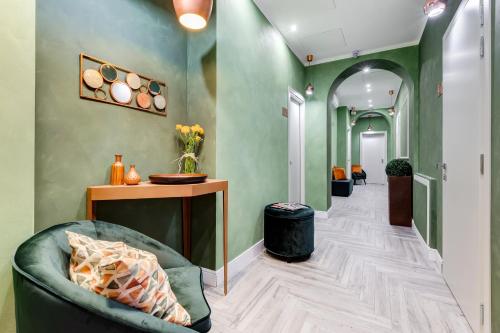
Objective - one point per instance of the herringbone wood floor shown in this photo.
(364, 276)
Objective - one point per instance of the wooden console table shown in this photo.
(146, 190)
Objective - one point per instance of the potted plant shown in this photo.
(400, 176)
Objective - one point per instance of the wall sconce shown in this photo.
(193, 14)
(309, 87)
(433, 8)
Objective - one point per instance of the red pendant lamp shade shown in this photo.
(193, 14)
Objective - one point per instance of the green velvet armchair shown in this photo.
(47, 301)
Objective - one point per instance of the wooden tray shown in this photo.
(178, 178)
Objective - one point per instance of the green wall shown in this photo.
(201, 108)
(254, 70)
(380, 124)
(76, 139)
(495, 173)
(402, 111)
(430, 121)
(17, 141)
(343, 124)
(318, 143)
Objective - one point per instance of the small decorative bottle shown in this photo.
(117, 171)
(132, 177)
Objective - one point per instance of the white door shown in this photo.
(373, 150)
(349, 153)
(464, 100)
(295, 148)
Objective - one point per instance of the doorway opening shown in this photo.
(373, 156)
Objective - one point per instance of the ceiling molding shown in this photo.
(364, 52)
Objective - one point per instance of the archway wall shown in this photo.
(319, 114)
(383, 123)
(379, 124)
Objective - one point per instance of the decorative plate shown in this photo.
(178, 178)
(93, 78)
(154, 88)
(121, 92)
(160, 102)
(143, 100)
(108, 72)
(133, 80)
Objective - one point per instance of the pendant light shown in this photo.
(309, 87)
(193, 14)
(433, 8)
(370, 127)
(392, 109)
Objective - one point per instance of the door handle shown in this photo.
(444, 166)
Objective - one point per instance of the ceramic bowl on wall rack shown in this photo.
(109, 72)
(154, 88)
(121, 92)
(160, 102)
(143, 100)
(133, 80)
(93, 79)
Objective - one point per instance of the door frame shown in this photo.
(485, 180)
(298, 98)
(361, 145)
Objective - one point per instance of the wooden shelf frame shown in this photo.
(84, 57)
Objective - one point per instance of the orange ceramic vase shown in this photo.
(117, 171)
(132, 177)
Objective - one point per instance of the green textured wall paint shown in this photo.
(254, 70)
(341, 136)
(333, 136)
(17, 141)
(317, 146)
(495, 173)
(431, 107)
(379, 124)
(420, 215)
(402, 111)
(76, 139)
(201, 108)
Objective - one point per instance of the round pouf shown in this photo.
(289, 235)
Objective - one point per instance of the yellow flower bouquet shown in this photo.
(189, 139)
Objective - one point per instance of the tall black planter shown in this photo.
(401, 201)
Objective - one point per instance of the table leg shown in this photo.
(90, 207)
(225, 231)
(186, 227)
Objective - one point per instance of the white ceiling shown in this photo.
(354, 92)
(333, 29)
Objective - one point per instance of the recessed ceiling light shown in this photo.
(368, 86)
(370, 106)
(370, 101)
(293, 28)
(369, 89)
(366, 70)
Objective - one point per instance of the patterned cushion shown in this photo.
(126, 275)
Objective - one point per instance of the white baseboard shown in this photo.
(434, 255)
(324, 215)
(213, 278)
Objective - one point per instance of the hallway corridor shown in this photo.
(364, 276)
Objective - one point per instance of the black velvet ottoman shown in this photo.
(289, 235)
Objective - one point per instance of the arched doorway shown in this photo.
(393, 142)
